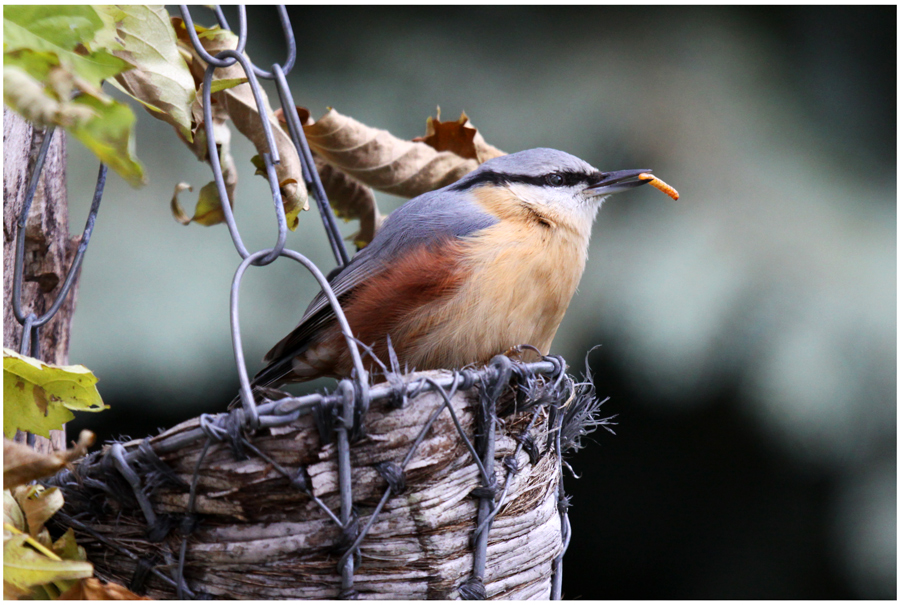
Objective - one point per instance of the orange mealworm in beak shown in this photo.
(659, 184)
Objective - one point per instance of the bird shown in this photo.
(460, 274)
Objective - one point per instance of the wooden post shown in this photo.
(48, 249)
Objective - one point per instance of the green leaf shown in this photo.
(37, 397)
(60, 30)
(226, 83)
(161, 80)
(50, 52)
(37, 64)
(110, 135)
(30, 98)
(24, 567)
(67, 548)
(54, 26)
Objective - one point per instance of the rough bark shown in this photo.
(48, 248)
(259, 537)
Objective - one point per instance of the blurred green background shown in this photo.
(748, 330)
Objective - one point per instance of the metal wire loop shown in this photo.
(27, 346)
(291, 43)
(23, 219)
(30, 343)
(80, 251)
(246, 395)
(198, 46)
(217, 167)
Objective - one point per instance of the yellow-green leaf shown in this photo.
(209, 206)
(60, 30)
(226, 83)
(161, 79)
(110, 136)
(26, 408)
(37, 396)
(27, 96)
(68, 549)
(259, 164)
(24, 567)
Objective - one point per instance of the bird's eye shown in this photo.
(555, 180)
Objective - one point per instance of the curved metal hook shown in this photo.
(291, 43)
(23, 219)
(195, 40)
(246, 393)
(31, 322)
(269, 158)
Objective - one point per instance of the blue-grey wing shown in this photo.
(427, 218)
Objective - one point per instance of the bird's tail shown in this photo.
(270, 377)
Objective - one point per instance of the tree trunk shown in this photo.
(48, 249)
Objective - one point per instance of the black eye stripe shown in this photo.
(570, 178)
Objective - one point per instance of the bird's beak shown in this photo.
(615, 182)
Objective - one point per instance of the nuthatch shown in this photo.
(463, 273)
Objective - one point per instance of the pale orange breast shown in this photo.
(522, 273)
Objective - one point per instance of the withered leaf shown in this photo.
(460, 137)
(94, 589)
(232, 98)
(22, 464)
(381, 160)
(349, 198)
(161, 80)
(38, 504)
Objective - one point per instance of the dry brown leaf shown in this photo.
(381, 160)
(349, 198)
(460, 137)
(93, 589)
(238, 104)
(11, 592)
(38, 504)
(22, 464)
(177, 210)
